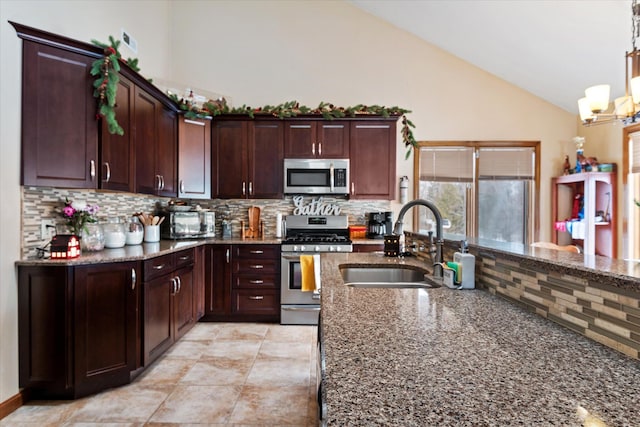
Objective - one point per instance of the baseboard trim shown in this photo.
(12, 403)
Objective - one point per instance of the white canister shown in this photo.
(114, 235)
(151, 233)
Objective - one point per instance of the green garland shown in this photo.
(106, 84)
(293, 108)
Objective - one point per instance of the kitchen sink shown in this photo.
(386, 277)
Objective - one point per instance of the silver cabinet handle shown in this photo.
(353, 189)
(228, 255)
(182, 186)
(250, 188)
(256, 297)
(158, 267)
(243, 188)
(159, 180)
(313, 148)
(108, 172)
(179, 283)
(193, 122)
(319, 148)
(256, 282)
(256, 252)
(133, 279)
(257, 266)
(174, 286)
(162, 181)
(92, 169)
(184, 257)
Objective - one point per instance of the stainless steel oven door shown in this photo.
(297, 307)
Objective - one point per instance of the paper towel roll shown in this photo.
(278, 225)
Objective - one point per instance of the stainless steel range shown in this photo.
(306, 235)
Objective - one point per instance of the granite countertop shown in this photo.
(415, 357)
(151, 250)
(145, 251)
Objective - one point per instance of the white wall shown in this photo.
(267, 52)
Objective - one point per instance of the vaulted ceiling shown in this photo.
(551, 48)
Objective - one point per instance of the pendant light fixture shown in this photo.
(593, 107)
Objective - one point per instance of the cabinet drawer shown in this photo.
(184, 257)
(254, 267)
(255, 301)
(257, 251)
(158, 266)
(257, 282)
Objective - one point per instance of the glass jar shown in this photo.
(134, 231)
(114, 236)
(92, 237)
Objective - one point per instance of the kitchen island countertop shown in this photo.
(447, 357)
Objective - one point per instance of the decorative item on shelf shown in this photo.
(594, 106)
(566, 167)
(579, 141)
(293, 108)
(65, 246)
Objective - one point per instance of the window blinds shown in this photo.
(456, 164)
(446, 164)
(506, 163)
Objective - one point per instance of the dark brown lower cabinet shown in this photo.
(242, 283)
(168, 296)
(78, 328)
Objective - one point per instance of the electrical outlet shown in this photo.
(47, 229)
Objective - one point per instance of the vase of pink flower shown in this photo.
(82, 222)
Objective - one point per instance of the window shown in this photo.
(482, 189)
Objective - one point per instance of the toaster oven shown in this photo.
(183, 225)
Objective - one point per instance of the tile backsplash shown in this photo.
(40, 203)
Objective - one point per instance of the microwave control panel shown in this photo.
(340, 177)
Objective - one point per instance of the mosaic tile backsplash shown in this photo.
(40, 203)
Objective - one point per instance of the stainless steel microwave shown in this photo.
(316, 176)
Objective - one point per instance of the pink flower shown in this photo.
(68, 211)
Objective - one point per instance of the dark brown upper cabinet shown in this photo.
(308, 139)
(194, 158)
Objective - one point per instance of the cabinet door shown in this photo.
(218, 281)
(117, 153)
(373, 159)
(59, 126)
(333, 139)
(266, 160)
(299, 139)
(106, 301)
(230, 154)
(158, 316)
(183, 302)
(194, 158)
(146, 125)
(166, 154)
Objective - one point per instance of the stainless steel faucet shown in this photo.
(397, 229)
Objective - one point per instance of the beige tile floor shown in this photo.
(218, 374)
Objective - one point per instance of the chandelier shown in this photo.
(593, 107)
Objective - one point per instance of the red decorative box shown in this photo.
(65, 246)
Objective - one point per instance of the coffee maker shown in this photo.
(380, 223)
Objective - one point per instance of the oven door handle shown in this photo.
(300, 308)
